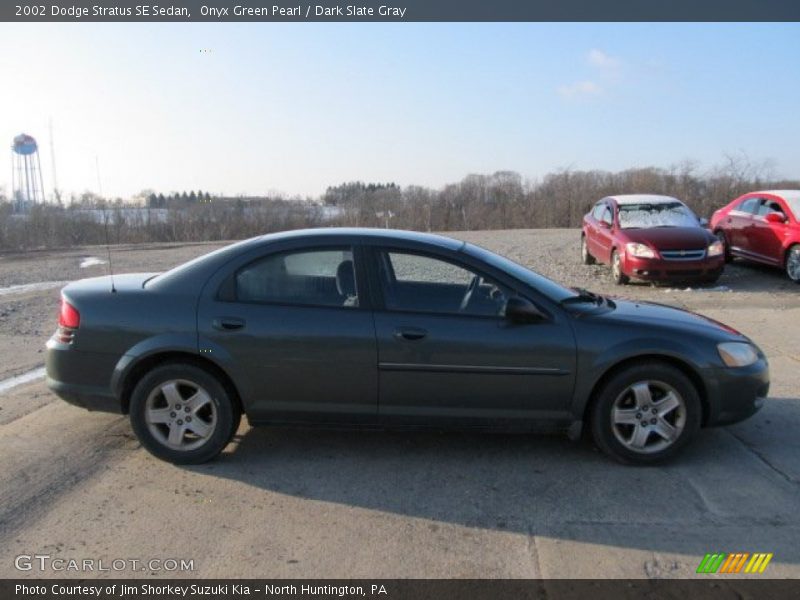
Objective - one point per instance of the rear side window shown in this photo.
(597, 213)
(324, 277)
(607, 216)
(750, 205)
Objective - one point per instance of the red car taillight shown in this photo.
(69, 319)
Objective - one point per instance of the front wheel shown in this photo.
(645, 414)
(586, 257)
(726, 249)
(616, 269)
(183, 414)
(793, 263)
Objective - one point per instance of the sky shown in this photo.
(292, 108)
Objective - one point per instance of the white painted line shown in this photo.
(12, 382)
(31, 287)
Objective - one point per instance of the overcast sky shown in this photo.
(256, 108)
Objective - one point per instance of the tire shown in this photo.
(616, 269)
(586, 257)
(202, 420)
(726, 248)
(618, 417)
(793, 263)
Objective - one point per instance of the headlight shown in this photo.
(640, 250)
(737, 354)
(716, 248)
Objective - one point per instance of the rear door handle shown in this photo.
(410, 334)
(227, 323)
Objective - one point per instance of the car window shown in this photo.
(421, 283)
(597, 212)
(768, 206)
(324, 277)
(750, 205)
(607, 215)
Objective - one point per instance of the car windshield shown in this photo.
(546, 286)
(662, 214)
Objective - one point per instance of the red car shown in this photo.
(649, 237)
(763, 227)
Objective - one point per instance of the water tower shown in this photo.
(26, 173)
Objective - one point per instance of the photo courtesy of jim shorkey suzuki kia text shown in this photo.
(374, 590)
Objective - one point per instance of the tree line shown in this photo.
(502, 200)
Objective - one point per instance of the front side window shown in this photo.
(420, 283)
(769, 206)
(324, 277)
(597, 213)
(607, 215)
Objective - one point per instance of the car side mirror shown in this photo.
(605, 224)
(775, 217)
(521, 310)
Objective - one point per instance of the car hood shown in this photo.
(649, 314)
(671, 238)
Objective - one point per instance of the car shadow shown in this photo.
(720, 491)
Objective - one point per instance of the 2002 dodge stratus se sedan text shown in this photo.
(379, 327)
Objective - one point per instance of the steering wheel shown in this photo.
(473, 285)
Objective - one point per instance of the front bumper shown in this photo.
(658, 269)
(81, 378)
(734, 394)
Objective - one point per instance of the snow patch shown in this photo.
(91, 261)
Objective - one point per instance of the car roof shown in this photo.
(623, 199)
(365, 232)
(793, 195)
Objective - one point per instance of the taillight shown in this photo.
(69, 319)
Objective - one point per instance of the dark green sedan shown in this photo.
(397, 329)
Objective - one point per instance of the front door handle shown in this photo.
(227, 323)
(410, 334)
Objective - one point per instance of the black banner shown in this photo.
(402, 10)
(712, 588)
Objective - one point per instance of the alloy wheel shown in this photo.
(180, 414)
(648, 416)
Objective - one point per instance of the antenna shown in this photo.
(105, 224)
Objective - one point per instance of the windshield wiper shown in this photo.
(583, 296)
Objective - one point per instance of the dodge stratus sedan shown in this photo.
(390, 328)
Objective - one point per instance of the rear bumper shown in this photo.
(81, 378)
(734, 394)
(658, 269)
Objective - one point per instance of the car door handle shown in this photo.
(227, 323)
(410, 334)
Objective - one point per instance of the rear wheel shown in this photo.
(793, 263)
(616, 269)
(646, 413)
(586, 257)
(183, 414)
